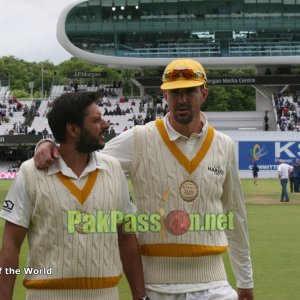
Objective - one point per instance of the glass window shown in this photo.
(106, 3)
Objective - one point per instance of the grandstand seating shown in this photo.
(39, 124)
(119, 121)
(3, 92)
(253, 120)
(17, 118)
(5, 166)
(236, 120)
(57, 90)
(220, 120)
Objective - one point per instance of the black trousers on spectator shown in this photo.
(292, 183)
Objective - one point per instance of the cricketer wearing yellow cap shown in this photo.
(184, 175)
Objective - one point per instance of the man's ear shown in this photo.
(165, 94)
(73, 130)
(204, 92)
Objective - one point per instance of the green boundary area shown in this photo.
(274, 230)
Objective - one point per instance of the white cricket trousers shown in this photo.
(220, 293)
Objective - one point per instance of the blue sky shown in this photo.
(28, 29)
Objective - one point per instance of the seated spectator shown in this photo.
(45, 131)
(285, 111)
(112, 131)
(19, 106)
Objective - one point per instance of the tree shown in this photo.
(19, 73)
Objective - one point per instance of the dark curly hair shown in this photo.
(69, 108)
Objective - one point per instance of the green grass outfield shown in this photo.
(274, 229)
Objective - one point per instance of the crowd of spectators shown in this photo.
(139, 112)
(8, 107)
(15, 166)
(287, 117)
(146, 111)
(117, 111)
(11, 105)
(10, 159)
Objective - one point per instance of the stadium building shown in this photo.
(147, 33)
(264, 34)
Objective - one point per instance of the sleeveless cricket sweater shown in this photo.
(165, 180)
(84, 261)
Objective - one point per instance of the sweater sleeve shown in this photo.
(17, 207)
(121, 147)
(238, 239)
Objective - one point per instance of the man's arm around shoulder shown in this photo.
(46, 154)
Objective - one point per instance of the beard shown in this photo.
(89, 143)
(183, 118)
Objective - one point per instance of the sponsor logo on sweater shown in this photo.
(101, 222)
(216, 170)
(8, 206)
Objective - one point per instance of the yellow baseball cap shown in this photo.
(183, 73)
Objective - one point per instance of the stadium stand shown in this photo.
(236, 120)
(123, 113)
(3, 92)
(287, 112)
(13, 113)
(57, 90)
(9, 166)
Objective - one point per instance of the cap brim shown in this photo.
(181, 84)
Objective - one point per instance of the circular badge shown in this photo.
(188, 190)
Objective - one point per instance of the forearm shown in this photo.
(132, 264)
(242, 266)
(13, 237)
(238, 239)
(239, 246)
(9, 260)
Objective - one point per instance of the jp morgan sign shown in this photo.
(84, 74)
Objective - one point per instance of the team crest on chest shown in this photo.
(188, 190)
